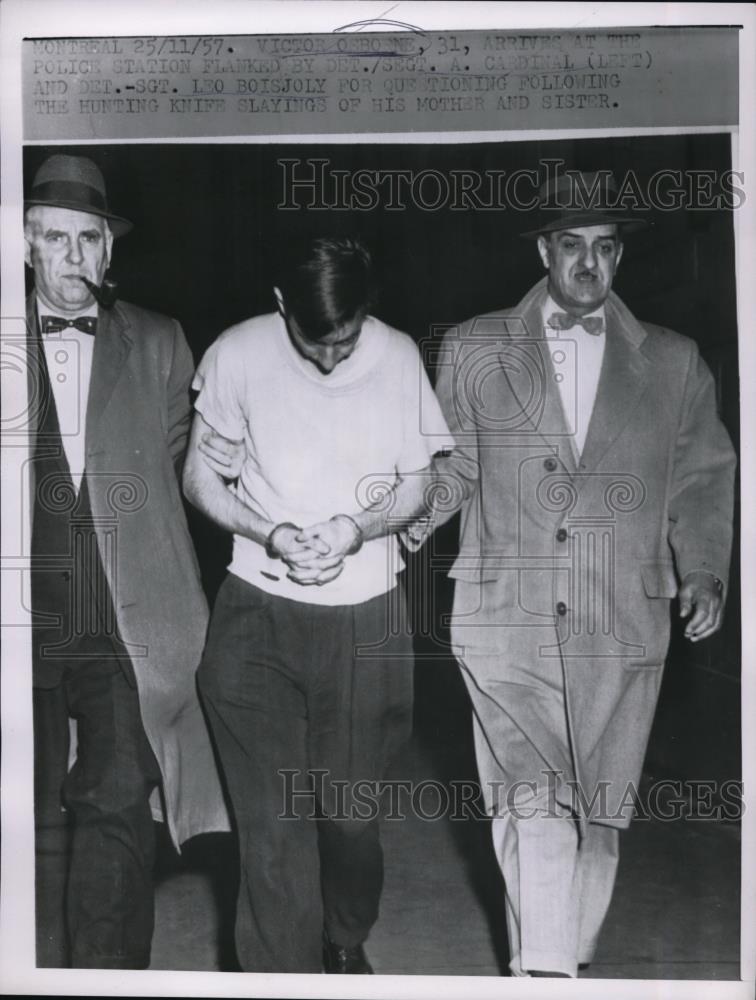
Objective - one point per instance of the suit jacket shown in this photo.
(574, 561)
(137, 421)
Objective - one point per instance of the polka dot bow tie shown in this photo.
(565, 321)
(54, 324)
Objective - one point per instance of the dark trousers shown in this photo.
(94, 861)
(290, 691)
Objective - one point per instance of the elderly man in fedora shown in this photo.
(596, 484)
(118, 613)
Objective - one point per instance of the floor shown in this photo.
(675, 912)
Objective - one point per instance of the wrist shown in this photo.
(270, 541)
(359, 536)
(717, 581)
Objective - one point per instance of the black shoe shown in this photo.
(347, 961)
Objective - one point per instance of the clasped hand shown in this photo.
(315, 555)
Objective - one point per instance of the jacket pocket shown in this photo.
(659, 579)
(472, 569)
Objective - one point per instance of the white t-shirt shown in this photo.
(577, 357)
(318, 445)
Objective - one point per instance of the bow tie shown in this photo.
(54, 324)
(565, 321)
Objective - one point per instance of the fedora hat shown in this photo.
(77, 183)
(576, 199)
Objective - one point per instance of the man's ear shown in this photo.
(108, 244)
(28, 243)
(543, 250)
(279, 301)
(29, 226)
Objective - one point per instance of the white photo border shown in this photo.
(48, 18)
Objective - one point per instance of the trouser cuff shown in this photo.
(544, 961)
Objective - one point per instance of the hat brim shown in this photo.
(580, 220)
(118, 225)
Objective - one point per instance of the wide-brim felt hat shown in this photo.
(576, 199)
(74, 182)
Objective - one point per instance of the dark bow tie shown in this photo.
(566, 321)
(54, 324)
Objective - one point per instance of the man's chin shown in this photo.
(75, 299)
(588, 301)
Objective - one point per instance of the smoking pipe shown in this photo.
(104, 294)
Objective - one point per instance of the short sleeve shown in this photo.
(425, 431)
(219, 382)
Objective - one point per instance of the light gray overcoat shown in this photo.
(567, 565)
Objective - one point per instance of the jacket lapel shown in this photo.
(111, 349)
(34, 370)
(527, 365)
(622, 383)
(35, 388)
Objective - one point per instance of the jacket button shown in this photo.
(561, 535)
(66, 575)
(561, 608)
(550, 465)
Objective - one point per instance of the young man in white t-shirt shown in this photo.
(307, 673)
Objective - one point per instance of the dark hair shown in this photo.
(325, 283)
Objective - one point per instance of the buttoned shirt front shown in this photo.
(69, 361)
(576, 356)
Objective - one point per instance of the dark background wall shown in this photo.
(208, 226)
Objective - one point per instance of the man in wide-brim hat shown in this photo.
(598, 485)
(118, 612)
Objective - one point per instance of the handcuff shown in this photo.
(359, 535)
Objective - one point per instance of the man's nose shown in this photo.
(330, 358)
(588, 258)
(333, 356)
(75, 256)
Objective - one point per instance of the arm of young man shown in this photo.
(222, 454)
(206, 489)
(344, 533)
